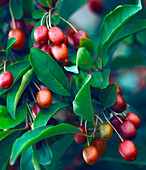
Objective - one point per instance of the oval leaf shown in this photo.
(38, 14)
(49, 72)
(17, 9)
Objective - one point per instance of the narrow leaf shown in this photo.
(10, 43)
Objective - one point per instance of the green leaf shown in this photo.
(58, 149)
(52, 74)
(55, 19)
(46, 2)
(17, 9)
(7, 122)
(113, 23)
(45, 114)
(16, 92)
(26, 159)
(105, 78)
(82, 105)
(28, 7)
(96, 79)
(108, 96)
(10, 42)
(127, 30)
(3, 111)
(44, 154)
(33, 136)
(68, 7)
(72, 69)
(84, 59)
(88, 44)
(38, 14)
(121, 62)
(35, 159)
(17, 69)
(102, 62)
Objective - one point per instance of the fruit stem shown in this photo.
(36, 85)
(123, 114)
(81, 122)
(49, 4)
(69, 24)
(86, 133)
(5, 63)
(47, 22)
(50, 18)
(115, 115)
(29, 111)
(43, 18)
(32, 95)
(99, 118)
(95, 129)
(112, 126)
(11, 13)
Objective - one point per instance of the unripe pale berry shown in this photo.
(120, 104)
(41, 35)
(79, 138)
(100, 145)
(6, 80)
(56, 36)
(90, 155)
(78, 35)
(60, 52)
(106, 131)
(19, 35)
(44, 98)
(132, 117)
(128, 130)
(128, 150)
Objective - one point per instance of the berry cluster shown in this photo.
(126, 126)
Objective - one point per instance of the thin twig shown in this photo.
(86, 132)
(50, 18)
(11, 13)
(36, 85)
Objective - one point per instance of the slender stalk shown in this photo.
(69, 24)
(99, 118)
(87, 133)
(43, 18)
(123, 114)
(11, 13)
(113, 127)
(47, 22)
(50, 18)
(81, 122)
(36, 85)
(5, 63)
(33, 95)
(29, 110)
(116, 116)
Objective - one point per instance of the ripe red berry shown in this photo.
(56, 35)
(78, 35)
(47, 49)
(70, 41)
(6, 80)
(100, 145)
(3, 2)
(41, 35)
(134, 119)
(20, 24)
(119, 91)
(35, 109)
(106, 131)
(38, 46)
(60, 52)
(128, 130)
(128, 150)
(116, 122)
(19, 35)
(70, 32)
(96, 6)
(90, 155)
(44, 98)
(79, 138)
(120, 104)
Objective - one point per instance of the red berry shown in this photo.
(6, 80)
(41, 35)
(70, 40)
(70, 32)
(38, 46)
(128, 130)
(19, 35)
(116, 122)
(65, 40)
(56, 35)
(44, 98)
(128, 150)
(20, 24)
(60, 52)
(79, 138)
(134, 119)
(100, 145)
(90, 155)
(47, 49)
(78, 35)
(120, 104)
(35, 109)
(96, 6)
(3, 2)
(119, 91)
